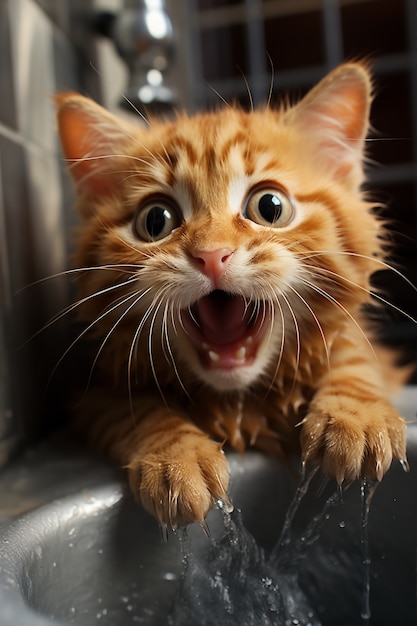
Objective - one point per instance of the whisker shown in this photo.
(248, 89)
(282, 344)
(112, 329)
(330, 298)
(317, 322)
(135, 108)
(165, 336)
(133, 347)
(298, 340)
(76, 270)
(194, 319)
(383, 264)
(372, 293)
(72, 307)
(87, 330)
(218, 94)
(151, 359)
(271, 86)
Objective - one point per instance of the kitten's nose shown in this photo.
(213, 263)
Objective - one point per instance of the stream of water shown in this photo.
(234, 583)
(367, 492)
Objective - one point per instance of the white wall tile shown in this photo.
(32, 48)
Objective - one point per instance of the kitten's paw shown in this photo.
(183, 480)
(353, 439)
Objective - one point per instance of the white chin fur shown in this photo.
(236, 378)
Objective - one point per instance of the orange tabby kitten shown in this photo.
(227, 264)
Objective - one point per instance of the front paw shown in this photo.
(181, 480)
(351, 438)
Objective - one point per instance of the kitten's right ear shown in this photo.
(92, 140)
(334, 117)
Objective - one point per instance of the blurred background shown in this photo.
(163, 55)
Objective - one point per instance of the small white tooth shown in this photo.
(213, 356)
(205, 346)
(241, 353)
(249, 340)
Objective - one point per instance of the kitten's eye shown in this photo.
(269, 207)
(156, 220)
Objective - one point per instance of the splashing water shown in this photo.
(235, 583)
(367, 491)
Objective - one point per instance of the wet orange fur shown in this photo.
(321, 386)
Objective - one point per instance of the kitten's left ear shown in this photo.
(92, 140)
(335, 116)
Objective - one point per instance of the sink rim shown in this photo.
(101, 487)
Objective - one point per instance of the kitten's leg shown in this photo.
(175, 470)
(351, 430)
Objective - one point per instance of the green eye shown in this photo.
(269, 207)
(156, 220)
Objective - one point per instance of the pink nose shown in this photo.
(213, 263)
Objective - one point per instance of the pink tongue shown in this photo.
(222, 318)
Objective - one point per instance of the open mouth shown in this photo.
(225, 329)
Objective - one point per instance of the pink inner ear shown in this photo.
(81, 146)
(335, 116)
(345, 113)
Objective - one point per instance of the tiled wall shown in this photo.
(45, 46)
(40, 53)
(243, 46)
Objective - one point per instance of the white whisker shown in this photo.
(136, 110)
(370, 292)
(165, 338)
(72, 307)
(117, 267)
(113, 328)
(317, 322)
(298, 340)
(384, 265)
(340, 306)
(281, 346)
(87, 330)
(156, 307)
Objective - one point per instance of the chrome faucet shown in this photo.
(143, 36)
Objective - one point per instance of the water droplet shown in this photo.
(169, 576)
(342, 524)
(148, 612)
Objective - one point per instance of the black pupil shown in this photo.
(270, 207)
(156, 220)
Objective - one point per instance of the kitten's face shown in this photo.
(217, 232)
(229, 219)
